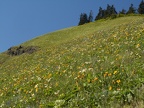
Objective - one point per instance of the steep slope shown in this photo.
(96, 64)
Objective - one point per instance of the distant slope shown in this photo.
(93, 65)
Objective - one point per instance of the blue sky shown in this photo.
(22, 20)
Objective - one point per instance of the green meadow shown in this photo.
(96, 65)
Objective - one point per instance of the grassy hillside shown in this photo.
(100, 64)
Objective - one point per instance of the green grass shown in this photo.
(96, 65)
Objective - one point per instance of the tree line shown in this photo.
(111, 12)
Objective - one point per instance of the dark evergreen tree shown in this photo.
(108, 11)
(113, 10)
(83, 19)
(123, 11)
(81, 22)
(100, 14)
(104, 13)
(131, 10)
(90, 18)
(141, 7)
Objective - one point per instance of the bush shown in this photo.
(113, 16)
(121, 15)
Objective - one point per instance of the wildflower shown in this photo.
(112, 62)
(36, 86)
(77, 83)
(56, 84)
(110, 87)
(32, 94)
(1, 94)
(64, 71)
(59, 103)
(105, 74)
(84, 70)
(95, 79)
(118, 81)
(80, 76)
(118, 89)
(138, 45)
(87, 62)
(49, 75)
(109, 74)
(36, 89)
(57, 92)
(113, 81)
(90, 69)
(115, 72)
(39, 78)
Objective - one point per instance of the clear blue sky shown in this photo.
(22, 20)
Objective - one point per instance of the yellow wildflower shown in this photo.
(56, 84)
(95, 79)
(118, 81)
(105, 74)
(36, 89)
(138, 45)
(49, 75)
(110, 87)
(109, 74)
(115, 72)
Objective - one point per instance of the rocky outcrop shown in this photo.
(15, 51)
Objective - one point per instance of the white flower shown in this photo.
(84, 70)
(59, 103)
(36, 86)
(39, 78)
(90, 69)
(87, 62)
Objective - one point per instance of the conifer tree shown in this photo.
(131, 10)
(113, 10)
(100, 14)
(108, 11)
(141, 7)
(90, 18)
(83, 19)
(123, 11)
